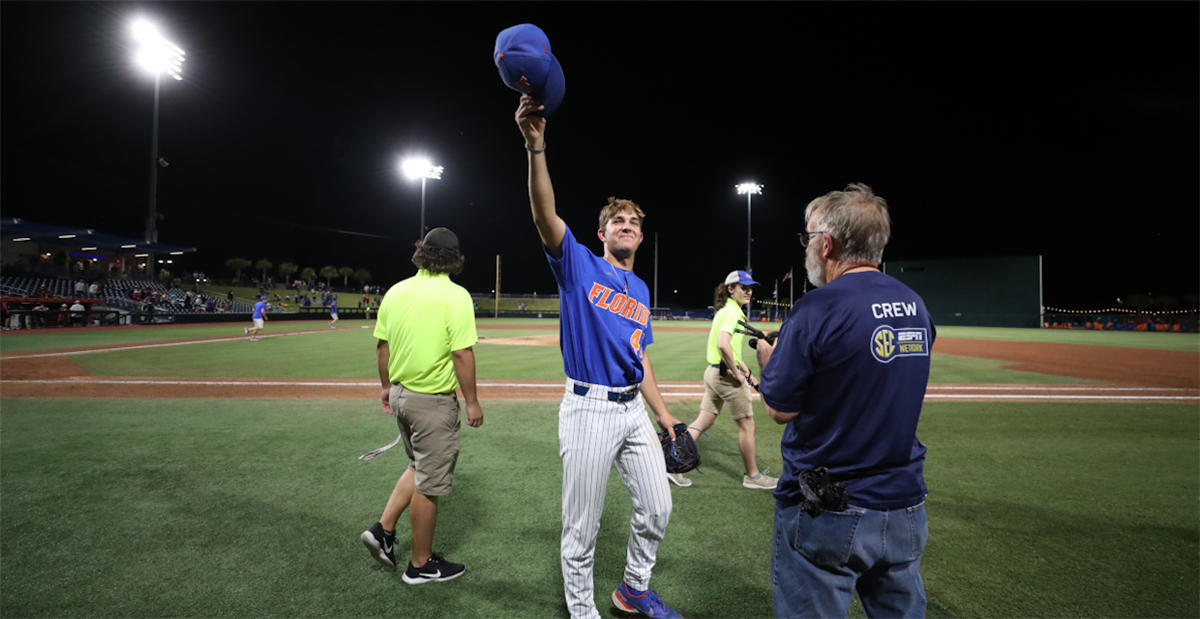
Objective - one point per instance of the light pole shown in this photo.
(422, 169)
(749, 189)
(159, 56)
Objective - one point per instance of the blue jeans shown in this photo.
(818, 563)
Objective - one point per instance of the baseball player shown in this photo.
(259, 317)
(333, 312)
(604, 330)
(727, 380)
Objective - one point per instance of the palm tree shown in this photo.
(237, 264)
(308, 274)
(363, 276)
(264, 265)
(1138, 302)
(346, 272)
(286, 269)
(328, 273)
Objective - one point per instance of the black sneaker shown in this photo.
(380, 544)
(436, 569)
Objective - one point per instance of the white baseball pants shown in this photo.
(593, 434)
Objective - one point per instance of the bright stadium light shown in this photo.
(157, 55)
(749, 189)
(419, 167)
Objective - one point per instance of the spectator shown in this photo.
(94, 289)
(42, 292)
(80, 287)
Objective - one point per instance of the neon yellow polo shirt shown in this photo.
(424, 319)
(726, 320)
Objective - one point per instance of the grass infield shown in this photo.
(235, 508)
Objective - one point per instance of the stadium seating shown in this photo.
(114, 293)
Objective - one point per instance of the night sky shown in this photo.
(1070, 130)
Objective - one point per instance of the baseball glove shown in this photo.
(681, 454)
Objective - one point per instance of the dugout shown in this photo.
(976, 292)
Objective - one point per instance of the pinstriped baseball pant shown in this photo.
(595, 433)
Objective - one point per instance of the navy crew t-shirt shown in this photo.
(852, 359)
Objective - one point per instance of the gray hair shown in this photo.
(858, 221)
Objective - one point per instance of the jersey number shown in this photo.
(635, 340)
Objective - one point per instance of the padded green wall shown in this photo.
(976, 292)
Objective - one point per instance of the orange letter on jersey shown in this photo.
(597, 290)
(631, 306)
(604, 301)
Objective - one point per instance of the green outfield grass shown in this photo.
(49, 339)
(348, 353)
(1130, 339)
(237, 508)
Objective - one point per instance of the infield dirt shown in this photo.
(1143, 374)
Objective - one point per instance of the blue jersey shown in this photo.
(333, 308)
(853, 360)
(604, 319)
(259, 308)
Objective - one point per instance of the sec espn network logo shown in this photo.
(888, 343)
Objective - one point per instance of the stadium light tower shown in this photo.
(157, 55)
(749, 189)
(421, 168)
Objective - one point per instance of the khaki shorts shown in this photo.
(430, 427)
(721, 390)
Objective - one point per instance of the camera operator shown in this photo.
(847, 375)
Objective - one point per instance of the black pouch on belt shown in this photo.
(819, 494)
(724, 368)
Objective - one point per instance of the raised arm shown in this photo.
(550, 226)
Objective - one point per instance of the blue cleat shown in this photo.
(642, 603)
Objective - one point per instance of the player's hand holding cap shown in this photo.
(527, 65)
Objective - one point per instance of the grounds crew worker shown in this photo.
(426, 331)
(727, 380)
(848, 376)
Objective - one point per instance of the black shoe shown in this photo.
(436, 569)
(380, 543)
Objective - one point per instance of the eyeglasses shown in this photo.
(806, 237)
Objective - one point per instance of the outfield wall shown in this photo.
(976, 292)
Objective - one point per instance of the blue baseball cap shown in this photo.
(263, 298)
(740, 277)
(528, 67)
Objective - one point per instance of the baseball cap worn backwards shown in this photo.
(529, 67)
(441, 237)
(740, 277)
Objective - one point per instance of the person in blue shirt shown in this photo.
(333, 312)
(848, 375)
(604, 330)
(259, 317)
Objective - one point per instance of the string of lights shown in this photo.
(1115, 310)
